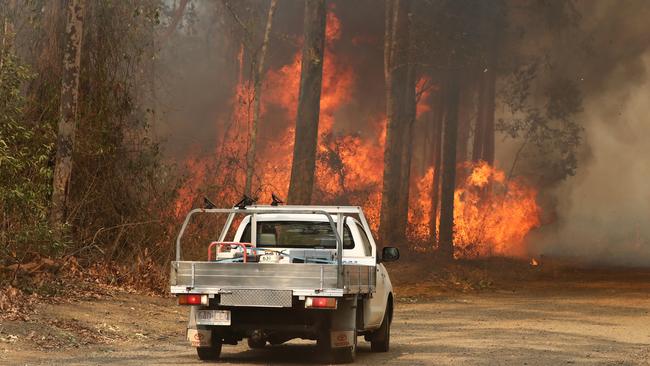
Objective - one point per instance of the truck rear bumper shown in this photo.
(218, 291)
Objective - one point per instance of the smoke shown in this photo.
(603, 212)
(193, 81)
(198, 71)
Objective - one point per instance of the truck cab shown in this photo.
(310, 272)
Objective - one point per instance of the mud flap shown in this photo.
(199, 337)
(344, 338)
(344, 321)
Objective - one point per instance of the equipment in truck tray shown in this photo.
(256, 297)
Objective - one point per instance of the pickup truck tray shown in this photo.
(303, 279)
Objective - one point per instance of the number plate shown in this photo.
(213, 317)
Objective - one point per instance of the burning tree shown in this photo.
(441, 78)
(399, 84)
(309, 99)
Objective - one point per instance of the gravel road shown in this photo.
(586, 326)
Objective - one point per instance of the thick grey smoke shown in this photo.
(603, 213)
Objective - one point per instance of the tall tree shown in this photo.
(465, 109)
(479, 126)
(67, 111)
(407, 122)
(258, 77)
(483, 148)
(6, 42)
(450, 139)
(396, 75)
(489, 106)
(47, 53)
(311, 79)
(436, 148)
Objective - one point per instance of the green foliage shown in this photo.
(25, 172)
(546, 121)
(120, 192)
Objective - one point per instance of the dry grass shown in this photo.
(46, 280)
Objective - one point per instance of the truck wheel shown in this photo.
(380, 341)
(256, 343)
(211, 353)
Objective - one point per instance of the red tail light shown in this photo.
(320, 303)
(192, 299)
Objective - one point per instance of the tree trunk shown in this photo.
(425, 153)
(494, 24)
(479, 127)
(396, 75)
(48, 52)
(484, 132)
(489, 100)
(390, 26)
(408, 122)
(311, 77)
(450, 139)
(436, 148)
(464, 115)
(463, 125)
(484, 138)
(257, 96)
(405, 175)
(7, 31)
(67, 113)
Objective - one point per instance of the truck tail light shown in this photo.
(192, 299)
(320, 303)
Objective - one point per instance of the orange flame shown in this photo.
(283, 85)
(493, 215)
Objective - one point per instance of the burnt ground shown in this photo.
(475, 313)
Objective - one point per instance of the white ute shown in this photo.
(310, 272)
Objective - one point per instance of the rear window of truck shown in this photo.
(296, 234)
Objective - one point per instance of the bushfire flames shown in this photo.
(492, 214)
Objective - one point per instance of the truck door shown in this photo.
(373, 308)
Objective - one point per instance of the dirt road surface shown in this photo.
(607, 325)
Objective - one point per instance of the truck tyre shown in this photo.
(380, 341)
(256, 343)
(211, 353)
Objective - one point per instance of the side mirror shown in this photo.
(389, 254)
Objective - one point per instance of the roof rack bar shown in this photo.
(328, 209)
